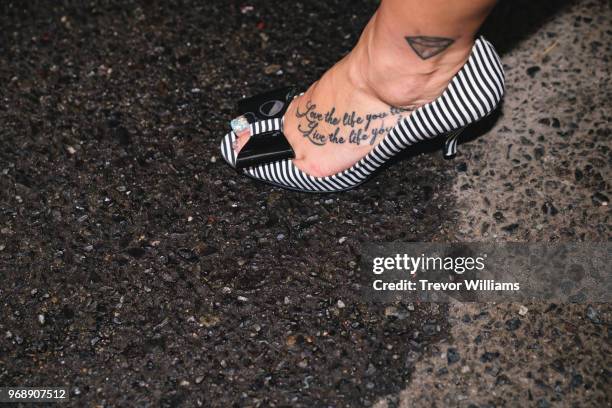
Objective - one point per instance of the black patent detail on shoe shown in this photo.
(265, 147)
(427, 47)
(250, 116)
(271, 108)
(268, 105)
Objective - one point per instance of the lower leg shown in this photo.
(412, 48)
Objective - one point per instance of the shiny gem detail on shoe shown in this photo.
(240, 125)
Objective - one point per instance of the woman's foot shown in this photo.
(347, 112)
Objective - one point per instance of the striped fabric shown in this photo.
(472, 94)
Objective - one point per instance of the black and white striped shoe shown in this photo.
(473, 93)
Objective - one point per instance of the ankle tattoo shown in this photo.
(427, 47)
(356, 128)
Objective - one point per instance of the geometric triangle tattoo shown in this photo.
(427, 47)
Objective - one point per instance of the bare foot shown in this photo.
(347, 112)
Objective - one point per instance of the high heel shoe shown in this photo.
(473, 93)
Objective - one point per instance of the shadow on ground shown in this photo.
(511, 22)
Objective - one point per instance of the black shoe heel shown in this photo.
(450, 146)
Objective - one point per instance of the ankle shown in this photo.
(382, 64)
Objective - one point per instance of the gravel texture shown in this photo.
(543, 171)
(136, 267)
(542, 174)
(138, 270)
(515, 355)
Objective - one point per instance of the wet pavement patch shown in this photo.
(137, 268)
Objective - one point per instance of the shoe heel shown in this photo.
(450, 145)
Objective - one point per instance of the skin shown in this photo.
(406, 56)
